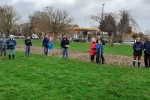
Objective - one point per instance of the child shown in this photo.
(11, 43)
(92, 49)
(99, 51)
(137, 47)
(28, 44)
(50, 47)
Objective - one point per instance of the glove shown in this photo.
(138, 49)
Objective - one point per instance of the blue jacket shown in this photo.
(11, 43)
(147, 46)
(138, 47)
(45, 42)
(98, 47)
(50, 45)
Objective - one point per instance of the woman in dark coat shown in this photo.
(137, 47)
(45, 42)
(64, 45)
(147, 52)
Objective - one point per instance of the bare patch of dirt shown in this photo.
(84, 56)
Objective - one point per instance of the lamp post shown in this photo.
(102, 16)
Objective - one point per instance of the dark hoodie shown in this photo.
(138, 47)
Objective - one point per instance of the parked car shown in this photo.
(128, 42)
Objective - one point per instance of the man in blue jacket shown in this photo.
(11, 43)
(45, 42)
(147, 52)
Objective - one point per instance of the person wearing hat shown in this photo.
(3, 47)
(11, 43)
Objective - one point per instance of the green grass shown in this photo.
(39, 77)
(116, 50)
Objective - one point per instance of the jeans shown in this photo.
(49, 51)
(11, 51)
(27, 53)
(45, 50)
(65, 52)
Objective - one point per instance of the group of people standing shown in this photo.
(97, 49)
(138, 47)
(7, 45)
(48, 46)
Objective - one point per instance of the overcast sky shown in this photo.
(81, 9)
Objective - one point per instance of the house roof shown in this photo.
(84, 29)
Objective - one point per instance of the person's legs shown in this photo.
(145, 59)
(103, 59)
(134, 59)
(4, 54)
(139, 61)
(9, 53)
(97, 57)
(13, 53)
(28, 50)
(45, 50)
(92, 58)
(50, 52)
(66, 51)
(63, 52)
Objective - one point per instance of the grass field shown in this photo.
(52, 78)
(117, 49)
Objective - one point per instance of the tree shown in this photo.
(135, 35)
(8, 18)
(56, 20)
(141, 35)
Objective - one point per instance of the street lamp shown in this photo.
(102, 16)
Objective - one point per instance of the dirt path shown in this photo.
(110, 59)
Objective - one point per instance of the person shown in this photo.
(92, 50)
(137, 47)
(99, 38)
(28, 44)
(64, 45)
(99, 52)
(50, 47)
(45, 42)
(11, 43)
(3, 47)
(147, 52)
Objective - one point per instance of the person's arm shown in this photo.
(31, 42)
(61, 45)
(43, 42)
(25, 42)
(15, 42)
(134, 48)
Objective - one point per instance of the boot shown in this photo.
(103, 60)
(139, 63)
(13, 56)
(9, 56)
(133, 63)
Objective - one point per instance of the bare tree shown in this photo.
(56, 20)
(8, 18)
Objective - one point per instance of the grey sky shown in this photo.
(81, 9)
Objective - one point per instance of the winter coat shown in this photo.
(64, 42)
(138, 47)
(3, 43)
(28, 42)
(92, 48)
(50, 45)
(98, 47)
(11, 43)
(45, 42)
(147, 46)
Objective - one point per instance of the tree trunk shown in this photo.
(55, 38)
(113, 39)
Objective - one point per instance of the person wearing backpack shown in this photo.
(11, 43)
(3, 47)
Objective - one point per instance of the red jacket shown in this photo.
(92, 48)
